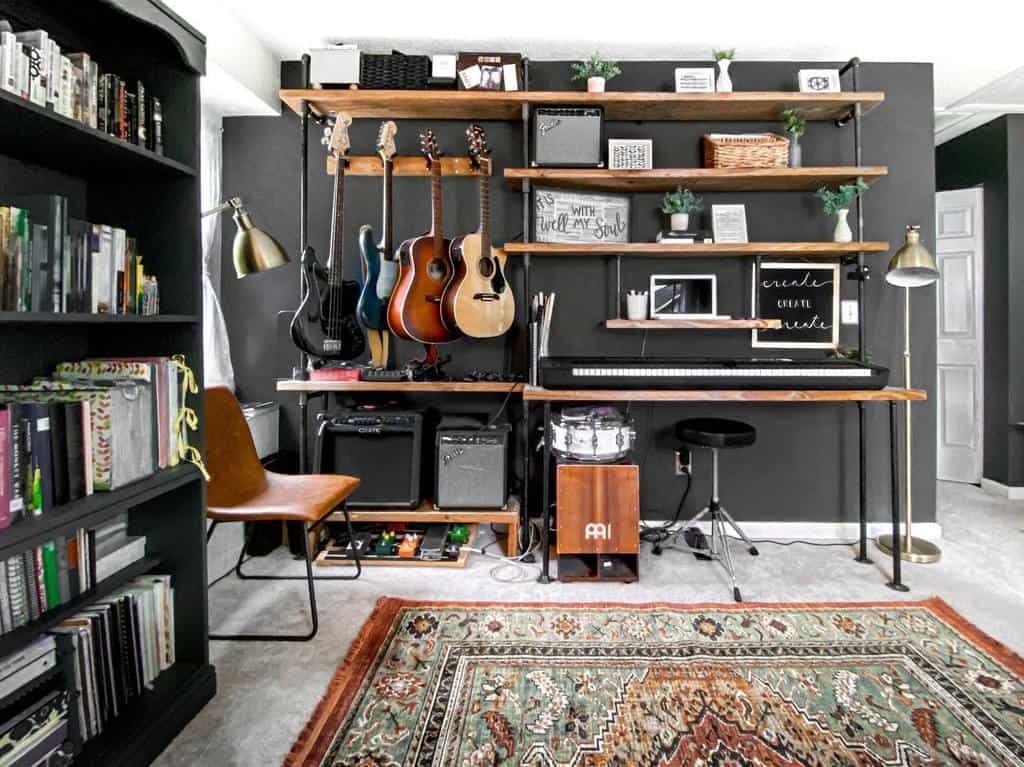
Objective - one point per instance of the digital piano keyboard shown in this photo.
(708, 373)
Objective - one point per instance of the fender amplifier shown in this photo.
(382, 449)
(568, 137)
(472, 468)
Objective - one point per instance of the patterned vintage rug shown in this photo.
(475, 685)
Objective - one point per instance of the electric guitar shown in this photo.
(479, 300)
(425, 268)
(325, 324)
(380, 269)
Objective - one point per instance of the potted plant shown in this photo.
(838, 203)
(678, 206)
(596, 71)
(723, 57)
(795, 127)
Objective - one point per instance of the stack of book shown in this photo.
(94, 425)
(682, 236)
(34, 723)
(115, 549)
(50, 262)
(117, 647)
(45, 577)
(33, 67)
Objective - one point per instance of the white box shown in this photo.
(264, 420)
(337, 65)
(630, 154)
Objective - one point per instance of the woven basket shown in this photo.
(394, 71)
(765, 150)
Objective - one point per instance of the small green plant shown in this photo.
(846, 353)
(794, 122)
(723, 54)
(595, 66)
(681, 201)
(841, 199)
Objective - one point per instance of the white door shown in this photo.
(959, 252)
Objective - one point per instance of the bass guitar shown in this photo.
(325, 323)
(425, 268)
(479, 299)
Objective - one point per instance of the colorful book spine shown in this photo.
(5, 468)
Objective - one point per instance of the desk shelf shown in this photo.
(427, 387)
(712, 323)
(699, 250)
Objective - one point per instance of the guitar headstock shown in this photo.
(429, 147)
(338, 144)
(386, 140)
(479, 152)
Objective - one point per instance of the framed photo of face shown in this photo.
(818, 80)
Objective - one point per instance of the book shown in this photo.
(114, 560)
(5, 468)
(51, 211)
(74, 445)
(28, 663)
(37, 415)
(37, 41)
(14, 571)
(58, 454)
(31, 584)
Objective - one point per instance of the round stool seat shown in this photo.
(715, 432)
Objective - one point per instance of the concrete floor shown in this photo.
(268, 691)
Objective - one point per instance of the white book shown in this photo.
(8, 62)
(21, 70)
(40, 41)
(131, 551)
(22, 667)
(53, 98)
(100, 263)
(67, 87)
(120, 244)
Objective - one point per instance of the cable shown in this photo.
(657, 533)
(521, 573)
(501, 409)
(794, 541)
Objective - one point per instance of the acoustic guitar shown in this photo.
(325, 323)
(479, 299)
(425, 268)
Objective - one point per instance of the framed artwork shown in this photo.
(818, 80)
(729, 223)
(805, 297)
(568, 216)
(695, 80)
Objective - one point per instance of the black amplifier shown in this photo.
(382, 449)
(472, 468)
(568, 137)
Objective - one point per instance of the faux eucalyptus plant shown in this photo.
(595, 66)
(723, 54)
(681, 201)
(794, 122)
(842, 198)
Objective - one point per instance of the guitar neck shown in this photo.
(387, 243)
(436, 227)
(485, 214)
(337, 226)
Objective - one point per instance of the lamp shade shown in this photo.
(254, 249)
(912, 266)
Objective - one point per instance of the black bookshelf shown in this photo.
(156, 198)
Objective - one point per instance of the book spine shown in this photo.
(63, 569)
(18, 461)
(58, 454)
(6, 616)
(42, 577)
(5, 467)
(15, 573)
(31, 584)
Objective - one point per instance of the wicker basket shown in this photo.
(765, 150)
(394, 71)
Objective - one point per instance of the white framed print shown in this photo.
(818, 80)
(695, 79)
(630, 154)
(729, 223)
(804, 297)
(684, 296)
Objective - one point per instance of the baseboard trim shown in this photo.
(1013, 492)
(824, 531)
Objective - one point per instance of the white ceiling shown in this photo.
(973, 46)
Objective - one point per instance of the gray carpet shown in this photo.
(268, 691)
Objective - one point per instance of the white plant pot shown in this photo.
(724, 84)
(843, 233)
(595, 85)
(679, 222)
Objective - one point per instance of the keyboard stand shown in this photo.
(891, 395)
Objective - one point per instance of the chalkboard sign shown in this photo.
(580, 217)
(806, 298)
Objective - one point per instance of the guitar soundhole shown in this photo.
(486, 268)
(437, 270)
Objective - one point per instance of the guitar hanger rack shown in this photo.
(412, 165)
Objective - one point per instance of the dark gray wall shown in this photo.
(804, 464)
(993, 156)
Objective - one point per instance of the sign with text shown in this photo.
(805, 297)
(580, 217)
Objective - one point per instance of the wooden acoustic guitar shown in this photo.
(479, 299)
(425, 268)
(325, 323)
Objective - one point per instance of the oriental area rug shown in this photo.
(544, 685)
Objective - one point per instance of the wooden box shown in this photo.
(598, 509)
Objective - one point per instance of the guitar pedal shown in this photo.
(384, 375)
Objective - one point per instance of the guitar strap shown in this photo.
(379, 347)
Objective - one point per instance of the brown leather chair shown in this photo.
(242, 490)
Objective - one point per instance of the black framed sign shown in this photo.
(567, 216)
(805, 297)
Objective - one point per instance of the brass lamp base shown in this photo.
(921, 552)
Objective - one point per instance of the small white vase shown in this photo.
(843, 232)
(724, 81)
(679, 222)
(595, 85)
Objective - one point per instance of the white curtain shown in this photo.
(217, 369)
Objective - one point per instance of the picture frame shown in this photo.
(729, 223)
(489, 71)
(819, 81)
(577, 217)
(630, 154)
(695, 79)
(805, 296)
(683, 296)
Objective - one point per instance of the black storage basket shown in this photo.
(394, 71)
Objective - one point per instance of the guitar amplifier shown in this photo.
(472, 468)
(382, 449)
(568, 137)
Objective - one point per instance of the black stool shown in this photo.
(717, 434)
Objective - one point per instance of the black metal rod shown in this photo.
(303, 194)
(863, 489)
(545, 515)
(858, 151)
(894, 456)
(525, 302)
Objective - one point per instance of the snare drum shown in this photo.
(592, 435)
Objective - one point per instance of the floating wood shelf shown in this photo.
(697, 179)
(537, 393)
(712, 323)
(702, 250)
(436, 387)
(404, 166)
(482, 105)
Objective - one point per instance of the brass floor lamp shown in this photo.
(911, 267)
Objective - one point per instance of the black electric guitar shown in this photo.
(325, 323)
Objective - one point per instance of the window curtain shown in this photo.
(217, 369)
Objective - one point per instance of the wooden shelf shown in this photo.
(482, 105)
(435, 387)
(404, 166)
(701, 250)
(714, 323)
(537, 393)
(78, 318)
(697, 179)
